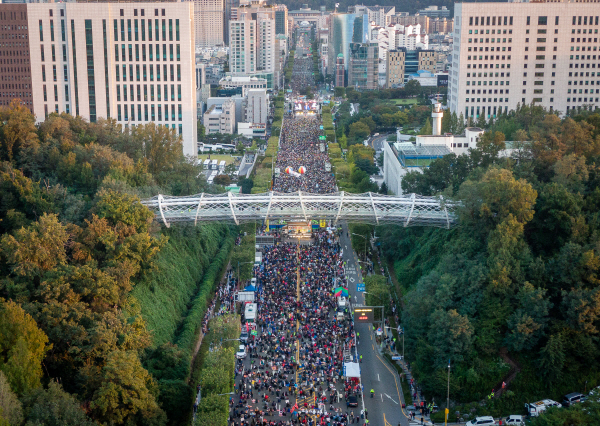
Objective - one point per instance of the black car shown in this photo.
(352, 401)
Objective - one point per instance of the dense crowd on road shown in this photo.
(295, 372)
(303, 66)
(300, 147)
(303, 77)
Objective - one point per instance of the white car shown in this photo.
(484, 420)
(514, 420)
(241, 353)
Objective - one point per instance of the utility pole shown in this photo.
(448, 396)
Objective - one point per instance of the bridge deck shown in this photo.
(412, 210)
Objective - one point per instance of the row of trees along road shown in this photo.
(519, 278)
(76, 346)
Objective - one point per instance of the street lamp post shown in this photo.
(448, 396)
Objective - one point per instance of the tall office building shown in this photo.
(281, 19)
(341, 30)
(507, 54)
(209, 18)
(15, 60)
(363, 70)
(133, 62)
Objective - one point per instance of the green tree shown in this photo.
(412, 88)
(359, 131)
(11, 409)
(246, 184)
(17, 130)
(127, 392)
(54, 407)
(22, 348)
(201, 131)
(36, 249)
(121, 208)
(527, 323)
(222, 180)
(339, 92)
(452, 335)
(426, 129)
(160, 146)
(495, 196)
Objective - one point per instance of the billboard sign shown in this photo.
(363, 315)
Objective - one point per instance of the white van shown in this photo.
(250, 312)
(536, 408)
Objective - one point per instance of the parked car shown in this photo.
(484, 420)
(536, 408)
(352, 401)
(241, 353)
(514, 420)
(244, 337)
(571, 398)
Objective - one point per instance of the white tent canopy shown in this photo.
(351, 369)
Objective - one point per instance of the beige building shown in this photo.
(441, 25)
(209, 20)
(133, 62)
(220, 118)
(395, 68)
(428, 60)
(507, 54)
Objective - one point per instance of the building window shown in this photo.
(51, 30)
(75, 67)
(89, 47)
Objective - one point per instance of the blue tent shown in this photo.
(250, 288)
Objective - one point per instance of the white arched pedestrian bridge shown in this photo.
(410, 210)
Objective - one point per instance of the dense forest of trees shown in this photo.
(99, 307)
(516, 287)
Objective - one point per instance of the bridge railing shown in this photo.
(411, 210)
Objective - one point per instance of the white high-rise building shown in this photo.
(133, 62)
(209, 22)
(505, 54)
(265, 43)
(242, 44)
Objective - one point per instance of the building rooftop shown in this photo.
(411, 155)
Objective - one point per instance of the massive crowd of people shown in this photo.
(302, 72)
(294, 374)
(296, 346)
(300, 147)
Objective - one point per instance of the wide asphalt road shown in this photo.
(385, 407)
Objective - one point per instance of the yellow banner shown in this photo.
(323, 223)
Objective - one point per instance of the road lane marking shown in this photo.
(378, 379)
(395, 381)
(391, 399)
